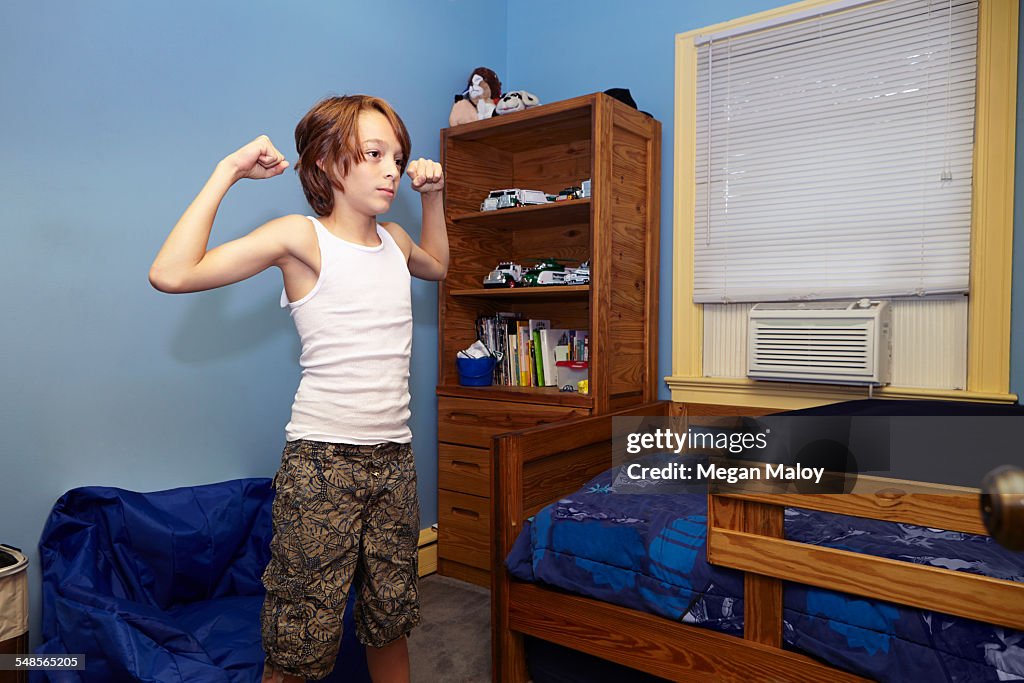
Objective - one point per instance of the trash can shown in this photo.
(475, 372)
(13, 608)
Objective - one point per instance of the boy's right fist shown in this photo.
(258, 159)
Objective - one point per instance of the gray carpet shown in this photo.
(453, 641)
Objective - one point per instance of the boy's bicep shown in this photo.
(423, 265)
(239, 259)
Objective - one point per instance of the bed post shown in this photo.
(508, 660)
(762, 595)
(552, 460)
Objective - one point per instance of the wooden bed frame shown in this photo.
(537, 466)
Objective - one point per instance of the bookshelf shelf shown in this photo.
(536, 217)
(544, 395)
(549, 292)
(547, 148)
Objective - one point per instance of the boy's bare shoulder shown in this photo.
(291, 222)
(289, 228)
(295, 232)
(400, 236)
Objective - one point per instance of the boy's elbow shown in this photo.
(164, 282)
(441, 267)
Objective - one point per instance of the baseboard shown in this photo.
(428, 551)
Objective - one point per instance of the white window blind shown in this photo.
(834, 155)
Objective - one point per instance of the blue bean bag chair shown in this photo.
(165, 586)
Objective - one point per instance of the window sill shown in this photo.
(792, 396)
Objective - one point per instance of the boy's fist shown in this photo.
(426, 175)
(258, 159)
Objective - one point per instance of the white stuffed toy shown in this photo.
(517, 100)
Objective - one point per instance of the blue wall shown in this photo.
(114, 115)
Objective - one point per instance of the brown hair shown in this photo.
(329, 134)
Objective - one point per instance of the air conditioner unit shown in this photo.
(835, 342)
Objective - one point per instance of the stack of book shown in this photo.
(529, 349)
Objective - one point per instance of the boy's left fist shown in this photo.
(426, 175)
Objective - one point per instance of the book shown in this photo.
(512, 378)
(579, 345)
(549, 340)
(527, 350)
(523, 340)
(538, 360)
(493, 332)
(537, 378)
(561, 353)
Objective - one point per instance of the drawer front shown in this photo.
(474, 423)
(464, 469)
(464, 529)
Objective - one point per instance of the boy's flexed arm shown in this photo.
(429, 259)
(184, 264)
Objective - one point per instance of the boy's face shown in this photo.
(371, 184)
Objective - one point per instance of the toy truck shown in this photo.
(503, 199)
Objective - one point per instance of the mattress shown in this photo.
(647, 552)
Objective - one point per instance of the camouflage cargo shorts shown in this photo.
(341, 513)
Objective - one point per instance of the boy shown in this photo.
(345, 507)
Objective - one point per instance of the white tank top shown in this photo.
(355, 326)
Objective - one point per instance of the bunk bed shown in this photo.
(745, 532)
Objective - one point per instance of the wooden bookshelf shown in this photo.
(548, 148)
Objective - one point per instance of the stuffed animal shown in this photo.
(478, 100)
(517, 100)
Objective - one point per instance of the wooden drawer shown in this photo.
(473, 423)
(464, 528)
(464, 469)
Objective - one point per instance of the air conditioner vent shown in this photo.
(838, 342)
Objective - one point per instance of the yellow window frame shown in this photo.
(988, 340)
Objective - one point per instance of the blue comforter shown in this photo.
(647, 552)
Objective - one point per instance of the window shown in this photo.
(990, 208)
(834, 155)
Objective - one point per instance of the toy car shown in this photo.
(503, 199)
(578, 276)
(545, 272)
(507, 274)
(569, 193)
